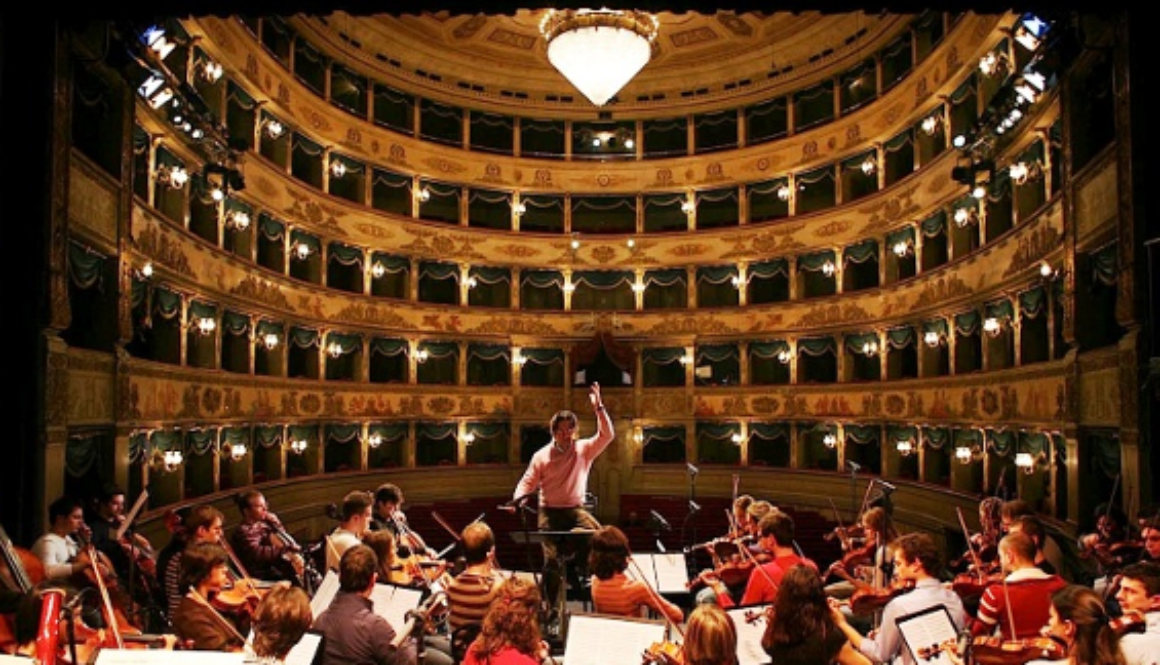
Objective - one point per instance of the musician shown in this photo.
(1033, 527)
(803, 629)
(612, 591)
(1079, 620)
(57, 549)
(1150, 536)
(204, 571)
(392, 570)
(1140, 592)
(352, 632)
(559, 473)
(204, 525)
(777, 538)
(259, 540)
(475, 588)
(916, 558)
(510, 634)
(710, 637)
(741, 516)
(868, 562)
(104, 524)
(356, 519)
(1015, 508)
(388, 514)
(1026, 588)
(281, 619)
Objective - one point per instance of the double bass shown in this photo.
(22, 570)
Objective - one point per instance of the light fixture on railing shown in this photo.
(991, 63)
(519, 359)
(518, 209)
(688, 206)
(931, 124)
(375, 440)
(1030, 31)
(686, 359)
(1047, 272)
(302, 251)
(168, 460)
(1027, 462)
(903, 248)
(828, 268)
(932, 339)
(270, 341)
(147, 270)
(599, 50)
(423, 195)
(337, 167)
(575, 244)
(334, 349)
(783, 192)
(237, 451)
(737, 439)
(155, 91)
(205, 325)
(870, 349)
(964, 455)
(979, 191)
(637, 436)
(1029, 86)
(905, 448)
(274, 128)
(992, 326)
(965, 216)
(630, 243)
(468, 438)
(1021, 172)
(422, 355)
(869, 165)
(569, 287)
(174, 176)
(638, 287)
(830, 440)
(738, 281)
(784, 356)
(237, 219)
(378, 270)
(298, 446)
(209, 70)
(158, 41)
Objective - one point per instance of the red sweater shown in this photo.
(1029, 591)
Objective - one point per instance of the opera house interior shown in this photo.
(803, 251)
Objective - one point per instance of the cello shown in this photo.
(21, 572)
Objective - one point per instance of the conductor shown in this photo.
(559, 473)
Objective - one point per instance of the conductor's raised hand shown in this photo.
(594, 396)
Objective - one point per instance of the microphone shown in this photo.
(692, 469)
(660, 521)
(694, 507)
(886, 487)
(853, 466)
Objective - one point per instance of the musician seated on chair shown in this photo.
(204, 525)
(1139, 592)
(473, 590)
(612, 591)
(777, 538)
(108, 518)
(281, 619)
(388, 515)
(356, 519)
(261, 543)
(1026, 588)
(58, 549)
(204, 571)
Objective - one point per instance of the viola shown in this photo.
(971, 584)
(995, 650)
(867, 600)
(664, 653)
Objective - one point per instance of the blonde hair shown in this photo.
(710, 637)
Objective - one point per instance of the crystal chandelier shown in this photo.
(599, 50)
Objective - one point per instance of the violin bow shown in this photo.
(653, 592)
(845, 539)
(104, 591)
(241, 569)
(970, 546)
(758, 567)
(193, 593)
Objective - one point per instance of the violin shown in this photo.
(730, 574)
(663, 653)
(849, 537)
(765, 614)
(971, 584)
(867, 600)
(1131, 621)
(994, 650)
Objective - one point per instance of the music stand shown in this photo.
(563, 556)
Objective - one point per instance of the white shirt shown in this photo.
(57, 554)
(341, 540)
(1143, 648)
(887, 646)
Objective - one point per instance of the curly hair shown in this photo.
(800, 610)
(280, 621)
(511, 621)
(710, 637)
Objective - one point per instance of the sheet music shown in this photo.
(324, 594)
(928, 628)
(642, 564)
(749, 649)
(165, 657)
(393, 602)
(672, 572)
(304, 652)
(598, 639)
(132, 515)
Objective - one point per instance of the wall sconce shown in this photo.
(575, 244)
(468, 438)
(686, 359)
(992, 326)
(378, 270)
(637, 436)
(738, 282)
(298, 446)
(784, 356)
(932, 339)
(174, 176)
(569, 287)
(932, 123)
(688, 207)
(903, 249)
(966, 454)
(147, 270)
(905, 448)
(270, 341)
(870, 349)
(869, 165)
(155, 38)
(274, 128)
(209, 70)
(518, 209)
(1029, 86)
(979, 191)
(783, 193)
(830, 440)
(737, 439)
(205, 326)
(965, 216)
(610, 140)
(992, 63)
(1027, 462)
(638, 287)
(168, 461)
(237, 451)
(422, 355)
(828, 268)
(334, 349)
(337, 167)
(1030, 31)
(423, 195)
(238, 220)
(519, 359)
(1047, 272)
(471, 282)
(1021, 172)
(302, 251)
(375, 440)
(155, 91)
